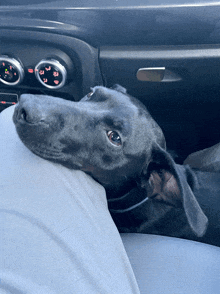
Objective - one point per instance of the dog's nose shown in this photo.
(25, 115)
(29, 111)
(39, 109)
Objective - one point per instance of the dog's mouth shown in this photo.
(53, 154)
(46, 152)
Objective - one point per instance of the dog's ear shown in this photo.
(167, 181)
(119, 88)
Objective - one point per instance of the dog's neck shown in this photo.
(114, 192)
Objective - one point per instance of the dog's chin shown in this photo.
(108, 179)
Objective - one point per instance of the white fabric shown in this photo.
(56, 234)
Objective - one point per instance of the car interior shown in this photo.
(166, 53)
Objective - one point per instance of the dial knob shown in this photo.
(11, 71)
(51, 73)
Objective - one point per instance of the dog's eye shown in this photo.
(114, 138)
(90, 94)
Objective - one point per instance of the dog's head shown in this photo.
(108, 134)
(111, 136)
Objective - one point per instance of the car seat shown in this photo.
(172, 265)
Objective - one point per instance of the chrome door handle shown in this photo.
(157, 74)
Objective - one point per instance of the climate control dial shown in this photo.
(51, 73)
(11, 71)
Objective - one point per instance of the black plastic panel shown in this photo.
(7, 99)
(195, 65)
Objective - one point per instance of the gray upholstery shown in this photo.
(164, 265)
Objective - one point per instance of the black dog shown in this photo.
(111, 136)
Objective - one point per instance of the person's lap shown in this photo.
(57, 234)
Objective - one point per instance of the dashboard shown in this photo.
(166, 53)
(40, 63)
